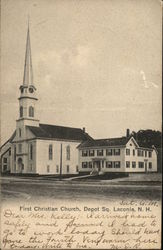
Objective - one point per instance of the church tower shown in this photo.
(27, 99)
(22, 148)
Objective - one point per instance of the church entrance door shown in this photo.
(20, 165)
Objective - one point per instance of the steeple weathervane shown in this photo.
(28, 71)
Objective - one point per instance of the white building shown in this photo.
(44, 149)
(120, 155)
(38, 148)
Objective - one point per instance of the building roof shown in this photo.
(47, 131)
(121, 141)
(10, 139)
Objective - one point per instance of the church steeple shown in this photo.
(28, 99)
(28, 71)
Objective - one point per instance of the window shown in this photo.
(91, 152)
(100, 152)
(50, 152)
(31, 152)
(68, 152)
(4, 167)
(109, 164)
(133, 164)
(141, 164)
(21, 111)
(20, 132)
(68, 168)
(77, 169)
(4, 160)
(84, 164)
(57, 169)
(109, 151)
(127, 164)
(31, 111)
(20, 148)
(10, 152)
(150, 154)
(14, 153)
(150, 165)
(145, 153)
(133, 151)
(90, 164)
(84, 153)
(140, 152)
(117, 164)
(48, 168)
(30, 90)
(127, 151)
(117, 151)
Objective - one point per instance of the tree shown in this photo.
(148, 138)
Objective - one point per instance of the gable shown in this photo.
(26, 135)
(132, 142)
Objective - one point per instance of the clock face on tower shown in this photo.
(31, 90)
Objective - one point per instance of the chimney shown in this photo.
(127, 132)
(84, 129)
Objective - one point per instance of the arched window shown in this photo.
(31, 152)
(68, 152)
(21, 111)
(31, 111)
(50, 152)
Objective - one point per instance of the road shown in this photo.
(32, 189)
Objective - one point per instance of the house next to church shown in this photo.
(44, 149)
(116, 155)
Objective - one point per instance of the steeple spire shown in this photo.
(28, 71)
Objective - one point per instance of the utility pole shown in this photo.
(61, 162)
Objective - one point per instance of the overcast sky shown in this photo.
(97, 64)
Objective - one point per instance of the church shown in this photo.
(43, 149)
(36, 148)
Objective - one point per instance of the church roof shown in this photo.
(121, 141)
(59, 132)
(28, 71)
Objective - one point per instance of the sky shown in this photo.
(96, 64)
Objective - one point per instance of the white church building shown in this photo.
(44, 149)
(36, 148)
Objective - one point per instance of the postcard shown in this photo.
(80, 153)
